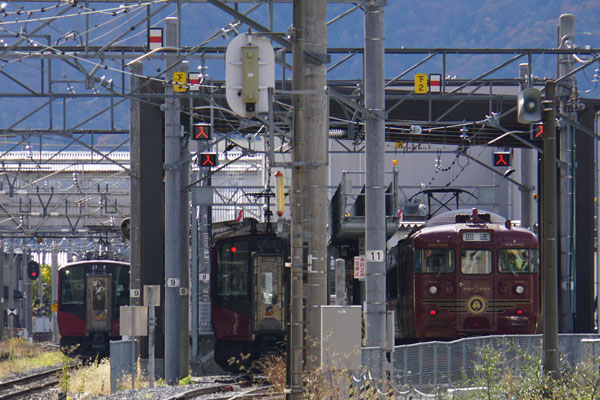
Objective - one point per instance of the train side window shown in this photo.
(518, 260)
(476, 261)
(434, 261)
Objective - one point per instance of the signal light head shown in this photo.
(432, 312)
(233, 249)
(519, 312)
(33, 270)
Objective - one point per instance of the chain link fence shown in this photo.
(422, 370)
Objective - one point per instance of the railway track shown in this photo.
(24, 386)
(224, 392)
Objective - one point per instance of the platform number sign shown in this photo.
(375, 255)
(173, 282)
(420, 83)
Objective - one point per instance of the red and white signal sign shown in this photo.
(435, 83)
(194, 80)
(155, 38)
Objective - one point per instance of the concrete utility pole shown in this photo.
(375, 186)
(2, 258)
(173, 187)
(528, 161)
(54, 266)
(566, 34)
(27, 298)
(317, 129)
(12, 259)
(135, 256)
(549, 235)
(184, 265)
(297, 201)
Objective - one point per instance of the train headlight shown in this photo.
(433, 290)
(519, 289)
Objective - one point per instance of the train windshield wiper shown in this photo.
(511, 269)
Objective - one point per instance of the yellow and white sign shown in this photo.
(180, 82)
(420, 83)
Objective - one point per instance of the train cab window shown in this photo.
(121, 285)
(232, 270)
(518, 260)
(72, 287)
(434, 261)
(476, 261)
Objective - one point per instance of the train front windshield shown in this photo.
(518, 260)
(434, 261)
(232, 270)
(72, 288)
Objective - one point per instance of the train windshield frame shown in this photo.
(73, 284)
(232, 277)
(434, 261)
(518, 260)
(72, 289)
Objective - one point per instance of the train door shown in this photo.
(475, 290)
(269, 300)
(98, 313)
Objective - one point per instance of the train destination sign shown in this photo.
(476, 237)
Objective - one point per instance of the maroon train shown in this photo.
(249, 290)
(464, 273)
(90, 293)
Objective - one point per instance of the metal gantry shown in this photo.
(65, 128)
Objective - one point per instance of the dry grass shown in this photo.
(94, 380)
(329, 381)
(90, 380)
(20, 356)
(318, 383)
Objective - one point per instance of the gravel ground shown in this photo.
(158, 392)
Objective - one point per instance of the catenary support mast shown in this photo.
(297, 200)
(549, 236)
(566, 38)
(316, 122)
(375, 191)
(172, 170)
